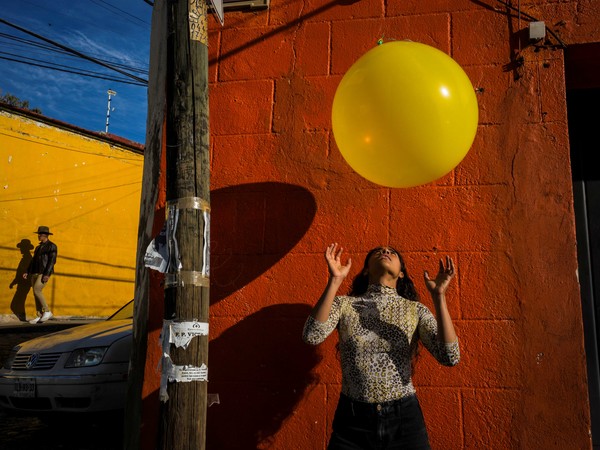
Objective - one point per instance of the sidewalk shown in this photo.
(10, 324)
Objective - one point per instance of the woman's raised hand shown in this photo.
(334, 263)
(442, 280)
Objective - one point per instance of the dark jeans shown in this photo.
(391, 425)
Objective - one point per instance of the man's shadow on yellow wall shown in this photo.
(17, 305)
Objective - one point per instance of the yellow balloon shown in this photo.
(404, 114)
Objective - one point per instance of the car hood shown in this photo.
(98, 334)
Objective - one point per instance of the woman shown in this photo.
(380, 323)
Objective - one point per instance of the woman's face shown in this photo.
(384, 259)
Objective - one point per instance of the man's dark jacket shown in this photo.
(44, 258)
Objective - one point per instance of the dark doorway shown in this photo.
(582, 70)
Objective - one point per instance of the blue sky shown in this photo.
(114, 31)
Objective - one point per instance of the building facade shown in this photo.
(282, 193)
(85, 187)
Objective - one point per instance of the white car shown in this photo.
(80, 369)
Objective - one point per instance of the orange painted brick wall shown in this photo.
(281, 192)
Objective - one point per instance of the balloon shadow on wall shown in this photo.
(261, 369)
(253, 226)
(17, 305)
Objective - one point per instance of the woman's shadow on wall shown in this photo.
(23, 286)
(261, 369)
(259, 366)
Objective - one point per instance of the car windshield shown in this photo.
(126, 312)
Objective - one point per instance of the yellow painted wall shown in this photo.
(87, 190)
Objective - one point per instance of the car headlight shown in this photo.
(85, 357)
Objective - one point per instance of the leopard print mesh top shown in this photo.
(377, 333)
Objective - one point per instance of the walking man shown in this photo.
(39, 271)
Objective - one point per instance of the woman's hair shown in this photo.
(404, 286)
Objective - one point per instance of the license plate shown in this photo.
(24, 388)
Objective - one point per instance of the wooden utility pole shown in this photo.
(183, 415)
(176, 179)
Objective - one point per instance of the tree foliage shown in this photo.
(16, 101)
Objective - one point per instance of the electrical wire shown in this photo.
(75, 52)
(77, 72)
(63, 68)
(533, 19)
(21, 43)
(97, 2)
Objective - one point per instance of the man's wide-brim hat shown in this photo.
(43, 230)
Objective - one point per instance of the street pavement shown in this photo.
(71, 433)
(78, 432)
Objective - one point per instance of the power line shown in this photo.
(64, 68)
(22, 42)
(77, 53)
(30, 42)
(102, 77)
(69, 13)
(97, 2)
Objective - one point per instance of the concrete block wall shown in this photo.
(281, 192)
